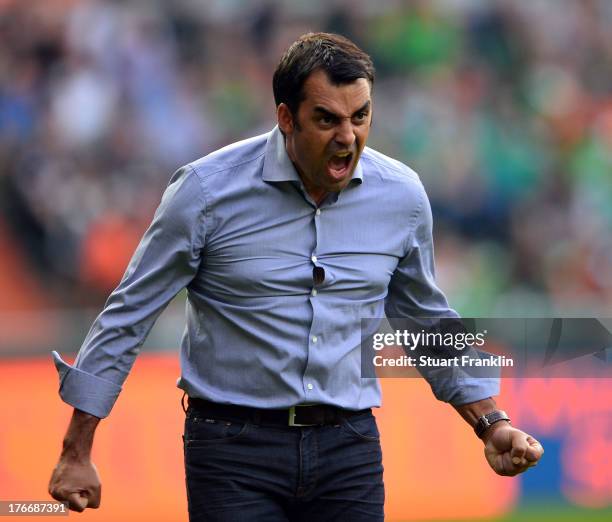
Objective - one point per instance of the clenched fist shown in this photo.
(76, 482)
(510, 451)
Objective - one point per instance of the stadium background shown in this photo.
(503, 107)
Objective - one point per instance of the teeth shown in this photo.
(342, 154)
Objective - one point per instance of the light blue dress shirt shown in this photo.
(238, 230)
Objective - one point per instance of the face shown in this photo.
(326, 137)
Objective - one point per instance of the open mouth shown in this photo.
(338, 165)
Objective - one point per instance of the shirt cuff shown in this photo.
(85, 391)
(454, 386)
(472, 390)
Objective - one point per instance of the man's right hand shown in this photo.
(75, 478)
(76, 482)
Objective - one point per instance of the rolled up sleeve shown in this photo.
(84, 390)
(166, 260)
(413, 293)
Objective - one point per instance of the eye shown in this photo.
(361, 116)
(326, 120)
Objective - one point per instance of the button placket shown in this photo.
(313, 339)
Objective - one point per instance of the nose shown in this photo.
(345, 134)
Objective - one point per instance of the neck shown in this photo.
(318, 196)
(316, 193)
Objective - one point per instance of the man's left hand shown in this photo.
(510, 451)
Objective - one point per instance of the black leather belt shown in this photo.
(307, 415)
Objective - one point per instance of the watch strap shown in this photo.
(486, 421)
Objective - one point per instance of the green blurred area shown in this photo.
(543, 513)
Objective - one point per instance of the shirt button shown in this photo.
(318, 212)
(314, 339)
(310, 386)
(313, 259)
(314, 292)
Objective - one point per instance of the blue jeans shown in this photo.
(237, 471)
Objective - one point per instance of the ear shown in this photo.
(285, 119)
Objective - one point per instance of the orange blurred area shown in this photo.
(107, 250)
(430, 454)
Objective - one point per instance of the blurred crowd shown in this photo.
(504, 108)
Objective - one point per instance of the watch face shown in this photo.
(481, 426)
(490, 418)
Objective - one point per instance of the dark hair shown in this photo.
(340, 58)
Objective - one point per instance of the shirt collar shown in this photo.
(278, 167)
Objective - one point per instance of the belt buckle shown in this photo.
(292, 417)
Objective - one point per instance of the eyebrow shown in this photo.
(322, 110)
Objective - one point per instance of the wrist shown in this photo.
(79, 438)
(472, 411)
(495, 428)
(75, 451)
(488, 423)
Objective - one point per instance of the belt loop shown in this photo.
(183, 402)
